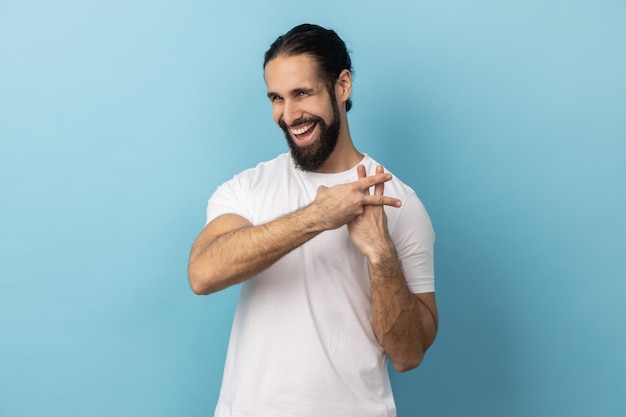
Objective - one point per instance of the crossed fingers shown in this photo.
(378, 182)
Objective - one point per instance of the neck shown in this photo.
(345, 156)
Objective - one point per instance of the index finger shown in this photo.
(360, 171)
(379, 188)
(372, 180)
(381, 200)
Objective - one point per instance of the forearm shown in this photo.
(404, 326)
(240, 254)
(230, 251)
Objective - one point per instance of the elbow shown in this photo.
(198, 281)
(409, 360)
(406, 364)
(413, 357)
(197, 288)
(205, 280)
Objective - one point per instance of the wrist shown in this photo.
(312, 219)
(318, 217)
(381, 254)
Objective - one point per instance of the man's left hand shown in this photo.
(368, 230)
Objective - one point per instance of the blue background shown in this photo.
(119, 118)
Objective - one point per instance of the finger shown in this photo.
(381, 200)
(379, 188)
(367, 182)
(360, 171)
(362, 174)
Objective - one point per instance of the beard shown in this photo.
(313, 156)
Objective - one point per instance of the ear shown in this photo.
(343, 86)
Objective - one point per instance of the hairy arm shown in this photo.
(231, 250)
(404, 324)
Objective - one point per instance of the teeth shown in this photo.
(302, 130)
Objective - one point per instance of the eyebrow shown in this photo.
(293, 92)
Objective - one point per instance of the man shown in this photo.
(335, 255)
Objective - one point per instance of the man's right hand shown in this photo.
(340, 204)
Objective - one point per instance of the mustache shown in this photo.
(300, 121)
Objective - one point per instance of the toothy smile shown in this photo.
(301, 130)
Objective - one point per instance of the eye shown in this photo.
(275, 98)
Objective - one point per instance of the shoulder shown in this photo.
(274, 168)
(249, 193)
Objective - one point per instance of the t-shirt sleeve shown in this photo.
(414, 238)
(228, 198)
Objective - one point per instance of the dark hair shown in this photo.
(324, 45)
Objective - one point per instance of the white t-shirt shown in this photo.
(302, 342)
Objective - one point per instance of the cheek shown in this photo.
(276, 113)
(323, 108)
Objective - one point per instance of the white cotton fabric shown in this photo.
(302, 342)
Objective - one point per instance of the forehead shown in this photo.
(286, 73)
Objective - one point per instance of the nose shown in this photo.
(291, 112)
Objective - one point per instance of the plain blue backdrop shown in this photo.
(119, 118)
